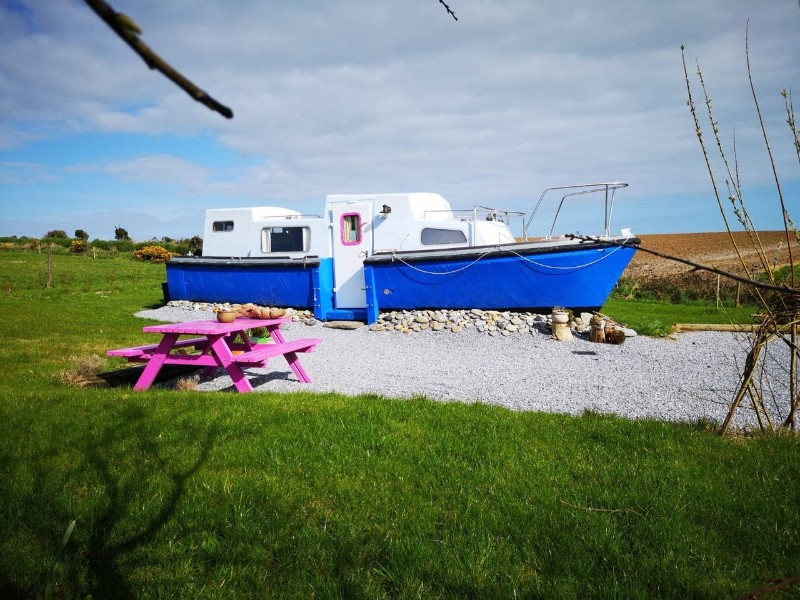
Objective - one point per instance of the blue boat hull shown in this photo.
(265, 282)
(526, 276)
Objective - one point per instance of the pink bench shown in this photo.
(262, 352)
(145, 353)
(217, 348)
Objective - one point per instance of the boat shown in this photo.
(373, 253)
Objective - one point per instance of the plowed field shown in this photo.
(711, 249)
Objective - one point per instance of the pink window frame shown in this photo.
(343, 228)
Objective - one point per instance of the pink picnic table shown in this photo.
(217, 345)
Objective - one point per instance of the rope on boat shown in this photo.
(395, 257)
(589, 264)
(498, 249)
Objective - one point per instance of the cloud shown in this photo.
(153, 169)
(358, 95)
(19, 173)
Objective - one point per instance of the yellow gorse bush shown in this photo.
(79, 246)
(155, 254)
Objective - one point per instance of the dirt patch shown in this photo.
(714, 249)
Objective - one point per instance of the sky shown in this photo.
(371, 96)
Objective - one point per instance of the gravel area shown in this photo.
(686, 377)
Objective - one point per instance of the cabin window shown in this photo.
(351, 229)
(285, 239)
(222, 226)
(432, 236)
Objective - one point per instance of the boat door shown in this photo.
(352, 243)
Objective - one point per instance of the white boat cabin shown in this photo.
(357, 225)
(353, 227)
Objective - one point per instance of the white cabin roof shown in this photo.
(414, 205)
(256, 213)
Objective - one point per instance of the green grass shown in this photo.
(219, 495)
(651, 317)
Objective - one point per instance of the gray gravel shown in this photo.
(684, 378)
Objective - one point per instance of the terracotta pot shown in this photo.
(226, 316)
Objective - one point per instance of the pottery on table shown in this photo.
(226, 316)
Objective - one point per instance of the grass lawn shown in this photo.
(650, 317)
(219, 495)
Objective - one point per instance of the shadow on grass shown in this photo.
(130, 375)
(257, 379)
(122, 484)
(105, 547)
(9, 591)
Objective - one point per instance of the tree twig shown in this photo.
(709, 169)
(447, 8)
(784, 213)
(603, 510)
(129, 32)
(755, 283)
(776, 585)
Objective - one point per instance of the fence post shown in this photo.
(49, 266)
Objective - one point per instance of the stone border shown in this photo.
(489, 322)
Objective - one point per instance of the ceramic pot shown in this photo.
(226, 316)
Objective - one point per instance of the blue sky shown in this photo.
(363, 96)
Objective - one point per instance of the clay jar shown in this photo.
(226, 316)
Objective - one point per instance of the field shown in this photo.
(651, 278)
(184, 494)
(712, 249)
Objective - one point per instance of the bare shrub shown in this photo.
(187, 384)
(773, 287)
(83, 371)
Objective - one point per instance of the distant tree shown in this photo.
(121, 234)
(57, 233)
(196, 243)
(80, 234)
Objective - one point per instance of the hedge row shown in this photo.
(176, 248)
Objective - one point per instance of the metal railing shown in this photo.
(482, 213)
(608, 188)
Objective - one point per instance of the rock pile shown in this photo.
(489, 322)
(492, 322)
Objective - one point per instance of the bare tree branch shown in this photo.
(776, 585)
(129, 31)
(792, 291)
(447, 8)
